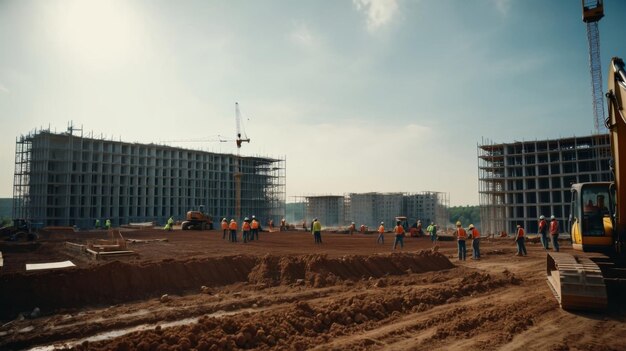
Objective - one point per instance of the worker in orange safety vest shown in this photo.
(475, 235)
(461, 235)
(232, 226)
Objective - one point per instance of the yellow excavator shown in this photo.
(595, 276)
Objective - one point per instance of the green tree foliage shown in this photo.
(465, 214)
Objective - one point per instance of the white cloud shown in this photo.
(379, 12)
(3, 89)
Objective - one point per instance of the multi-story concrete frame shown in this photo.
(65, 179)
(520, 181)
(329, 209)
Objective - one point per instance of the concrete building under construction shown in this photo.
(520, 181)
(64, 179)
(371, 208)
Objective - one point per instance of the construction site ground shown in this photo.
(198, 291)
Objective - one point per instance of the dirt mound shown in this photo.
(118, 282)
(319, 270)
(305, 325)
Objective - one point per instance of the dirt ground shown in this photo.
(285, 292)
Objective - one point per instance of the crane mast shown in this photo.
(593, 11)
(237, 173)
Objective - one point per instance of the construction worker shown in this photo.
(254, 229)
(224, 225)
(352, 228)
(520, 241)
(232, 226)
(245, 229)
(399, 230)
(381, 233)
(543, 231)
(283, 225)
(554, 233)
(432, 230)
(304, 225)
(97, 224)
(169, 226)
(316, 228)
(107, 224)
(362, 228)
(461, 235)
(475, 235)
(418, 228)
(271, 224)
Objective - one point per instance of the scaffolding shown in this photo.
(522, 180)
(69, 179)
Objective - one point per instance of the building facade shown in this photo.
(520, 181)
(371, 208)
(66, 179)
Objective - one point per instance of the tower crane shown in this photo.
(593, 11)
(237, 173)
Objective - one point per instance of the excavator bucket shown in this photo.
(576, 282)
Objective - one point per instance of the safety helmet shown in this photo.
(552, 217)
(232, 220)
(542, 217)
(223, 219)
(458, 223)
(381, 223)
(246, 219)
(352, 222)
(471, 226)
(519, 226)
(253, 216)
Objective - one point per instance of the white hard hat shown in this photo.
(542, 217)
(382, 222)
(552, 217)
(245, 219)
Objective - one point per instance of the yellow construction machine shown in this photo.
(596, 275)
(197, 220)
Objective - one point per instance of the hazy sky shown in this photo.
(363, 95)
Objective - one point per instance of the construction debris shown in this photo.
(49, 265)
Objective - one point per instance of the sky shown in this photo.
(357, 96)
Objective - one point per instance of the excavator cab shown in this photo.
(591, 222)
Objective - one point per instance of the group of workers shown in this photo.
(249, 229)
(462, 235)
(553, 231)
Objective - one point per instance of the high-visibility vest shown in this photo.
(232, 225)
(475, 233)
(224, 225)
(554, 227)
(520, 232)
(245, 226)
(542, 226)
(461, 234)
(381, 229)
(255, 224)
(398, 230)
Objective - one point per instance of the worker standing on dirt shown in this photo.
(316, 228)
(107, 224)
(224, 225)
(381, 234)
(169, 226)
(554, 233)
(432, 230)
(399, 230)
(475, 234)
(232, 226)
(543, 231)
(362, 228)
(97, 224)
(520, 241)
(254, 229)
(461, 235)
(283, 225)
(352, 228)
(418, 229)
(245, 229)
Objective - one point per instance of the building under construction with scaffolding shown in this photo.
(520, 181)
(66, 179)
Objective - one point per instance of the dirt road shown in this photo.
(285, 292)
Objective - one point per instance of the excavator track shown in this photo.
(577, 282)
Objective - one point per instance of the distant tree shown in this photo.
(465, 214)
